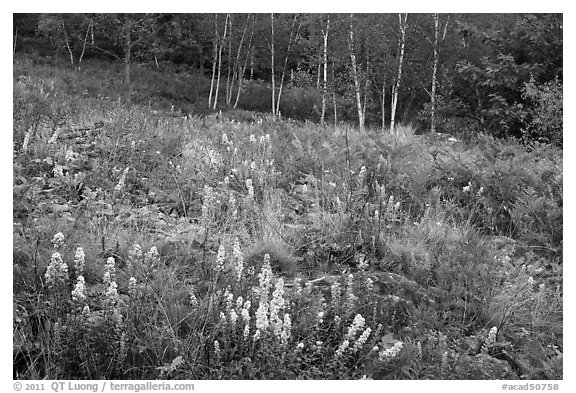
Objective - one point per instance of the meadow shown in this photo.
(151, 243)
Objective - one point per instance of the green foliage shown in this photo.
(370, 256)
(546, 123)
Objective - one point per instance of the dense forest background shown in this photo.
(454, 73)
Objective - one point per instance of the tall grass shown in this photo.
(239, 246)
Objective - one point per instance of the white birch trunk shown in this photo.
(286, 63)
(214, 59)
(325, 87)
(220, 62)
(396, 86)
(356, 77)
(273, 75)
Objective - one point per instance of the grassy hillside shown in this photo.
(149, 243)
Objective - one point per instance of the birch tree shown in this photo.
(221, 45)
(402, 22)
(355, 75)
(273, 56)
(325, 59)
(249, 54)
(290, 43)
(436, 19)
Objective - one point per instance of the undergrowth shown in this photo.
(153, 244)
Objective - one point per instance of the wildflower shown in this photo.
(369, 285)
(337, 320)
(58, 170)
(351, 298)
(253, 166)
(220, 258)
(107, 280)
(362, 261)
(122, 181)
(112, 296)
(300, 346)
(444, 361)
(57, 271)
(276, 305)
(152, 258)
(490, 340)
(132, 286)
(419, 349)
(342, 348)
(357, 324)
(286, 329)
(26, 142)
(387, 354)
(262, 322)
(207, 203)
(79, 261)
(267, 138)
(467, 188)
(228, 298)
(69, 156)
(86, 312)
(110, 268)
(265, 276)
(320, 317)
(233, 317)
(135, 253)
(252, 139)
(250, 188)
(58, 240)
(335, 295)
(79, 292)
(216, 348)
(239, 258)
(298, 287)
(122, 351)
(232, 202)
(224, 139)
(530, 281)
(362, 339)
(223, 318)
(245, 315)
(193, 299)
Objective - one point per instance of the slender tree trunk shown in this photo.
(273, 76)
(214, 59)
(396, 86)
(67, 41)
(15, 40)
(355, 76)
(286, 63)
(384, 104)
(237, 68)
(318, 72)
(228, 86)
(252, 64)
(325, 87)
(127, 56)
(84, 44)
(243, 70)
(434, 72)
(220, 62)
(334, 96)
